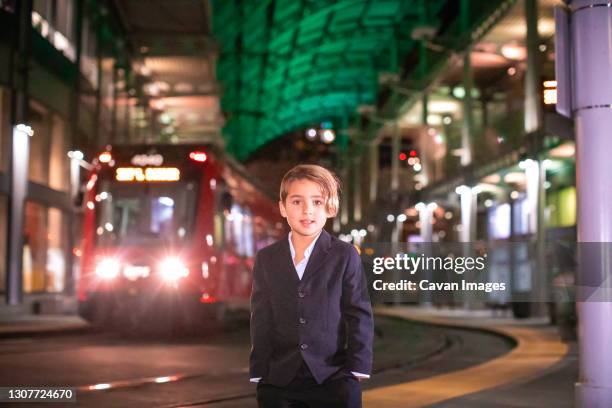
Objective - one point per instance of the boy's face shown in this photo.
(304, 208)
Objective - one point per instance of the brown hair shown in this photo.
(329, 184)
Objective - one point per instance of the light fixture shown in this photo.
(462, 189)
(514, 52)
(198, 156)
(328, 136)
(105, 157)
(76, 154)
(311, 134)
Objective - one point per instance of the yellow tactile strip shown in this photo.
(535, 352)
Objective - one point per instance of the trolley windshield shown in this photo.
(145, 214)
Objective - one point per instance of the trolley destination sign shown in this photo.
(147, 174)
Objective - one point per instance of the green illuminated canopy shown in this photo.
(285, 64)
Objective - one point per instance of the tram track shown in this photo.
(451, 342)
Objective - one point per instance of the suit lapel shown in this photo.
(319, 253)
(286, 263)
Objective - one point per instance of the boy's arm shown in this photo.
(357, 312)
(261, 315)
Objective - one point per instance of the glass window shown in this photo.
(145, 214)
(107, 94)
(239, 230)
(59, 164)
(38, 165)
(44, 250)
(89, 52)
(57, 248)
(54, 20)
(34, 248)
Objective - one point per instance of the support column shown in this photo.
(591, 65)
(533, 106)
(468, 122)
(425, 217)
(535, 172)
(74, 229)
(468, 199)
(18, 148)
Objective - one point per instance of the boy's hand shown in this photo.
(360, 376)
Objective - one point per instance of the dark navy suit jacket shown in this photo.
(324, 319)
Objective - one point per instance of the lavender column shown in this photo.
(591, 65)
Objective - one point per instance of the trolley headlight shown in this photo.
(108, 268)
(172, 269)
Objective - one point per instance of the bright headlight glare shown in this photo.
(173, 269)
(108, 268)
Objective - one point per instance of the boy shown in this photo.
(311, 319)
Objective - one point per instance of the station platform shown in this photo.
(539, 371)
(33, 325)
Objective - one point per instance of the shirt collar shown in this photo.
(307, 251)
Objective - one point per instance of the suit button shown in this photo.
(303, 346)
(302, 320)
(301, 294)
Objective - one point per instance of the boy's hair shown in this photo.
(329, 184)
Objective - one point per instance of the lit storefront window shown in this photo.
(45, 249)
(48, 164)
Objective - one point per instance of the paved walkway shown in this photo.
(538, 354)
(23, 325)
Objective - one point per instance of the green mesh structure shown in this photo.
(285, 64)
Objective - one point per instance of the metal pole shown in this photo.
(395, 151)
(533, 106)
(591, 45)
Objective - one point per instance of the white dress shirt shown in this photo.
(300, 267)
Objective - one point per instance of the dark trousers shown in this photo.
(341, 390)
